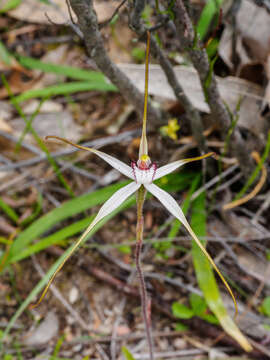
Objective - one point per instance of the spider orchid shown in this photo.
(143, 173)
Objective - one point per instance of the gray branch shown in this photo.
(88, 23)
(192, 113)
(199, 58)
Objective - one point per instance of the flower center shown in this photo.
(144, 162)
(144, 171)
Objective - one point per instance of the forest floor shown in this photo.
(49, 192)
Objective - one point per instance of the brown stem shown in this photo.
(144, 299)
(88, 23)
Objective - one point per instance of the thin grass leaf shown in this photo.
(28, 125)
(127, 353)
(9, 5)
(56, 238)
(69, 71)
(8, 211)
(68, 209)
(206, 278)
(209, 11)
(64, 89)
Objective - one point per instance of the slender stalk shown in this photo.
(144, 299)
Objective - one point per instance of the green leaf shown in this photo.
(138, 54)
(9, 5)
(205, 275)
(56, 238)
(209, 11)
(69, 71)
(210, 318)
(127, 353)
(70, 208)
(9, 211)
(124, 249)
(181, 311)
(64, 89)
(197, 304)
(266, 306)
(8, 357)
(181, 327)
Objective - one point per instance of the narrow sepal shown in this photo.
(115, 163)
(167, 169)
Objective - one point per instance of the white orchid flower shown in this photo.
(142, 173)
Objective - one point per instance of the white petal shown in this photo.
(114, 162)
(168, 201)
(171, 205)
(110, 205)
(167, 169)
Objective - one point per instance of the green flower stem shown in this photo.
(139, 242)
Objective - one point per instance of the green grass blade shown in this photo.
(64, 89)
(205, 275)
(69, 208)
(9, 5)
(127, 353)
(28, 125)
(209, 11)
(69, 71)
(8, 211)
(56, 238)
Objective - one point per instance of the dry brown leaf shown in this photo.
(4, 126)
(35, 11)
(17, 85)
